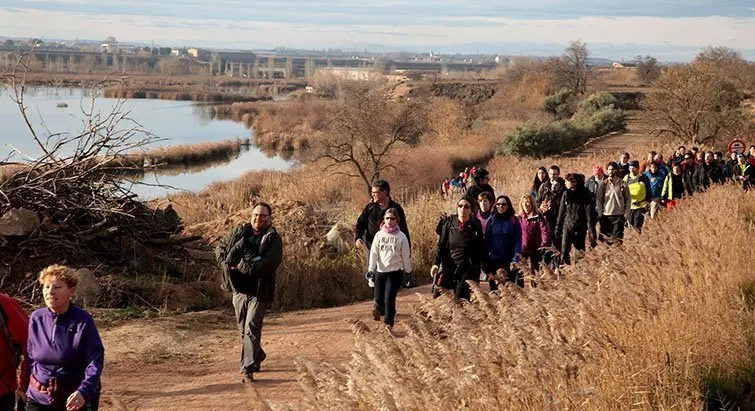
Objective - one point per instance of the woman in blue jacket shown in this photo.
(503, 237)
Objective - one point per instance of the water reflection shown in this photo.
(176, 122)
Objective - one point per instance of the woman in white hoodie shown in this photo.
(389, 260)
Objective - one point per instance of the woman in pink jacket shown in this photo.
(534, 231)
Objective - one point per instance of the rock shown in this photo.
(337, 239)
(89, 289)
(18, 222)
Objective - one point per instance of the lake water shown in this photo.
(178, 122)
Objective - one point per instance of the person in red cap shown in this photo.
(14, 331)
(597, 179)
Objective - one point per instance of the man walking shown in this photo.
(368, 223)
(613, 205)
(656, 178)
(14, 330)
(639, 193)
(596, 180)
(252, 263)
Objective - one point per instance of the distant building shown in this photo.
(351, 73)
(622, 65)
(199, 54)
(109, 46)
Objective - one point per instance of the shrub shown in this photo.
(562, 104)
(596, 115)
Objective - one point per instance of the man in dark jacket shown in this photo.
(481, 184)
(368, 223)
(575, 215)
(252, 265)
(700, 178)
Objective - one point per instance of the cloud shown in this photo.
(264, 24)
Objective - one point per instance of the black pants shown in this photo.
(33, 406)
(492, 267)
(8, 401)
(575, 237)
(592, 230)
(637, 218)
(454, 277)
(386, 290)
(612, 226)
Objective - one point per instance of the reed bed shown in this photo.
(663, 322)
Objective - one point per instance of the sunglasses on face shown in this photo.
(501, 205)
(464, 206)
(390, 218)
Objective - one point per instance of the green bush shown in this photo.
(595, 116)
(561, 104)
(533, 141)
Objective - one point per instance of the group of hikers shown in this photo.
(492, 238)
(61, 356)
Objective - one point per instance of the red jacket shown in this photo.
(534, 232)
(18, 326)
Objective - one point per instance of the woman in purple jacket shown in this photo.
(65, 350)
(534, 231)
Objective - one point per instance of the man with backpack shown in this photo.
(14, 330)
(368, 223)
(639, 193)
(250, 256)
(612, 202)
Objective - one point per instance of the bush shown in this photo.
(533, 141)
(595, 116)
(562, 104)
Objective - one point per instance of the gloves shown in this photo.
(370, 277)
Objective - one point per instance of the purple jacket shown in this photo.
(534, 233)
(67, 347)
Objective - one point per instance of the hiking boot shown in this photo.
(257, 363)
(376, 314)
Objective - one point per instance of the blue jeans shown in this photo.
(386, 290)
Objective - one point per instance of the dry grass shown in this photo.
(9, 170)
(660, 323)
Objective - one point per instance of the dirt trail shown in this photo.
(635, 134)
(190, 362)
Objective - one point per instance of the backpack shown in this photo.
(222, 249)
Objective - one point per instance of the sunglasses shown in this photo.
(464, 206)
(501, 205)
(390, 218)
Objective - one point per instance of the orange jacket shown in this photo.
(18, 325)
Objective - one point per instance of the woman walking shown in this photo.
(540, 177)
(534, 232)
(460, 252)
(65, 351)
(676, 185)
(389, 260)
(503, 238)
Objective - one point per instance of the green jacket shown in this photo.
(668, 187)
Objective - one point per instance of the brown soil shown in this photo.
(191, 361)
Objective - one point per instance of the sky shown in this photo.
(672, 30)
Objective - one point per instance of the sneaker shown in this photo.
(371, 283)
(376, 314)
(247, 378)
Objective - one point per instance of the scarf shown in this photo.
(389, 230)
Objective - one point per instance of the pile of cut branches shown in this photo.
(78, 187)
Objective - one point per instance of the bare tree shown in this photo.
(647, 69)
(696, 103)
(570, 70)
(365, 130)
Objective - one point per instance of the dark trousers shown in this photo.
(612, 226)
(8, 401)
(592, 230)
(33, 406)
(575, 237)
(250, 313)
(492, 268)
(535, 259)
(637, 218)
(386, 290)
